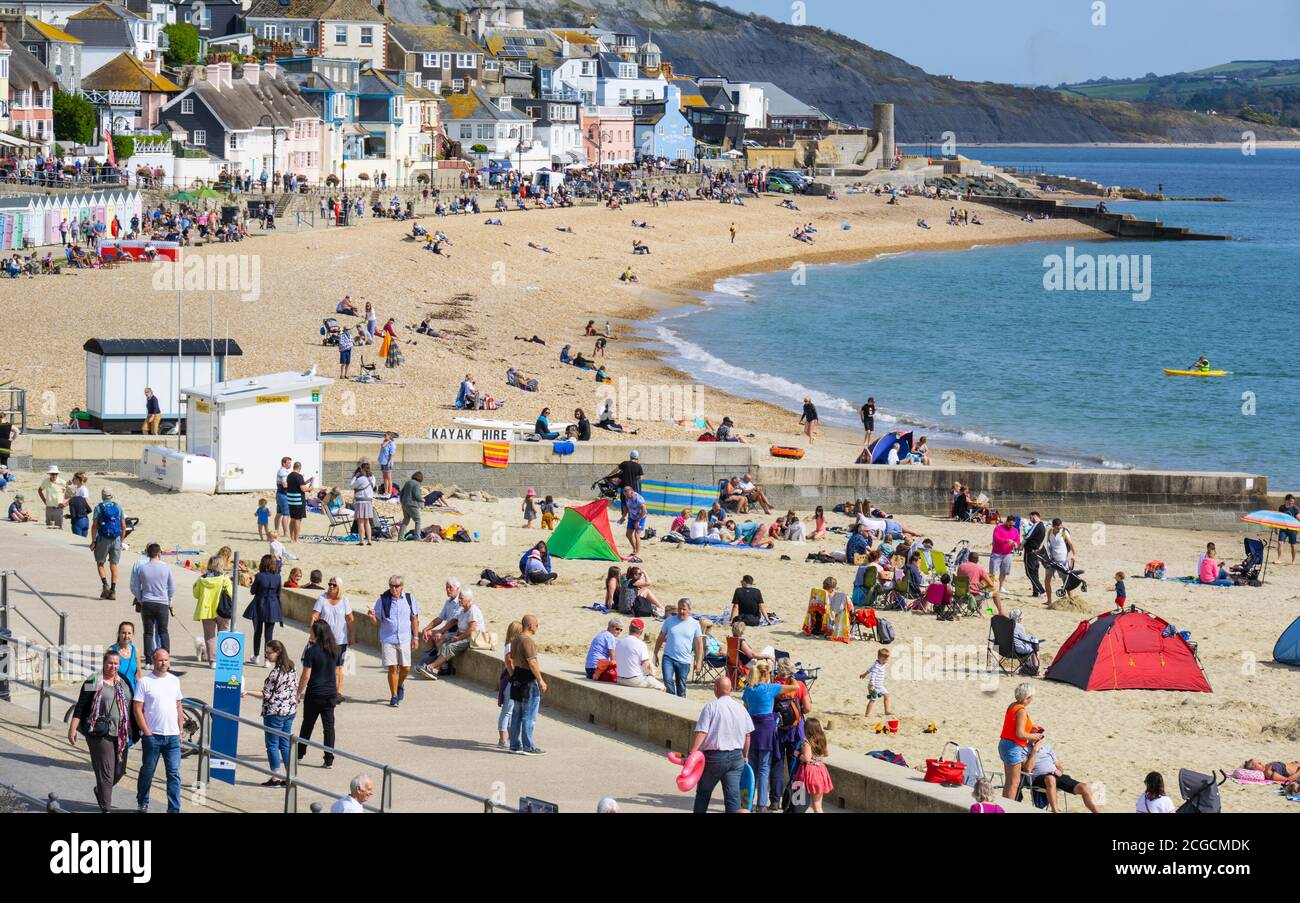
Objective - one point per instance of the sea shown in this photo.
(973, 349)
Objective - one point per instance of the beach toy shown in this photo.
(893, 726)
(692, 769)
(879, 728)
(747, 787)
(932, 728)
(786, 451)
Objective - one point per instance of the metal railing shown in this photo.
(45, 693)
(293, 782)
(6, 607)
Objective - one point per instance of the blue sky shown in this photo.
(1051, 41)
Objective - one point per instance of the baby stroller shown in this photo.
(330, 329)
(607, 487)
(1249, 569)
(1200, 791)
(1070, 579)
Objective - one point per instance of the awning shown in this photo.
(19, 141)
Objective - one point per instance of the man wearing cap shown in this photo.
(722, 733)
(635, 665)
(16, 512)
(106, 525)
(628, 473)
(53, 495)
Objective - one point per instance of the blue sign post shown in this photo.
(227, 684)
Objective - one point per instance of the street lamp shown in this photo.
(275, 134)
(520, 148)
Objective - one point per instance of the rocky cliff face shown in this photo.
(845, 77)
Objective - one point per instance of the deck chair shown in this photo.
(736, 670)
(337, 522)
(815, 619)
(1002, 647)
(1038, 795)
(839, 618)
(863, 626)
(939, 565)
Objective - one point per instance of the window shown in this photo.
(435, 86)
(415, 79)
(660, 130)
(446, 61)
(458, 84)
(626, 70)
(200, 137)
(622, 94)
(429, 60)
(588, 67)
(503, 102)
(234, 142)
(268, 32)
(187, 106)
(526, 67)
(491, 66)
(205, 19)
(367, 36)
(340, 34)
(465, 60)
(306, 35)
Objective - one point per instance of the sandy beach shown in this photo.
(492, 288)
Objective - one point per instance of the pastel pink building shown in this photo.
(608, 135)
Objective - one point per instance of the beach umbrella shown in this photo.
(1274, 520)
(180, 196)
(207, 193)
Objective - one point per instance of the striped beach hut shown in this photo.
(33, 220)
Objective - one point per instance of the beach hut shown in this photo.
(247, 425)
(119, 370)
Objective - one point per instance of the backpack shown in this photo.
(626, 600)
(786, 709)
(884, 632)
(109, 520)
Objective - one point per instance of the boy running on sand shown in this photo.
(876, 682)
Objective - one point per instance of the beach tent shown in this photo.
(880, 448)
(1128, 650)
(1287, 650)
(584, 532)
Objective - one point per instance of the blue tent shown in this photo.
(1287, 650)
(880, 448)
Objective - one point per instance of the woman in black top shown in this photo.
(7, 433)
(583, 424)
(317, 688)
(869, 419)
(809, 419)
(264, 610)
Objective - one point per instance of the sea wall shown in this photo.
(1161, 498)
(1118, 225)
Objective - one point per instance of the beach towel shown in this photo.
(1248, 776)
(496, 454)
(839, 616)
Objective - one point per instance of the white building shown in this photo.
(743, 97)
(477, 119)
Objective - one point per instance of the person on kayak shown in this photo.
(1202, 364)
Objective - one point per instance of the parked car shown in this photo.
(779, 185)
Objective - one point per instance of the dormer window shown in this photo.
(626, 70)
(503, 102)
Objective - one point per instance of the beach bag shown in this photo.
(1155, 570)
(626, 600)
(606, 671)
(884, 632)
(643, 608)
(941, 771)
(226, 605)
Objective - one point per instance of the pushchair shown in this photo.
(330, 329)
(607, 487)
(1200, 791)
(1249, 569)
(1070, 579)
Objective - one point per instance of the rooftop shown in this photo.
(126, 73)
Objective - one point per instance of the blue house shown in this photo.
(662, 130)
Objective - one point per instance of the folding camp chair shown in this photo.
(939, 563)
(736, 670)
(711, 668)
(863, 626)
(338, 521)
(1002, 646)
(966, 602)
(1038, 795)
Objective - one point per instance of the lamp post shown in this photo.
(275, 133)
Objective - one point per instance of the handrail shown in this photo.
(49, 804)
(5, 574)
(205, 751)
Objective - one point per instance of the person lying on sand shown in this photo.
(542, 248)
(568, 229)
(1281, 772)
(535, 340)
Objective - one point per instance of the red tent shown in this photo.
(1127, 650)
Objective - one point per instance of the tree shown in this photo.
(183, 44)
(123, 147)
(74, 118)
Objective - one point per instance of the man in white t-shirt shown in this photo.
(360, 790)
(157, 711)
(459, 635)
(635, 665)
(282, 496)
(722, 733)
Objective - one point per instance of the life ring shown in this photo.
(786, 451)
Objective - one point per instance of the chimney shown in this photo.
(462, 22)
(224, 69)
(272, 69)
(152, 63)
(2, 35)
(212, 75)
(252, 73)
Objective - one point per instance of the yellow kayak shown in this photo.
(1196, 372)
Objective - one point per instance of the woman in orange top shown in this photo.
(1018, 732)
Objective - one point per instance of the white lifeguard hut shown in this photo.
(247, 425)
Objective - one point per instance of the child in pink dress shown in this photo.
(812, 773)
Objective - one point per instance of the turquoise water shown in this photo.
(971, 349)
